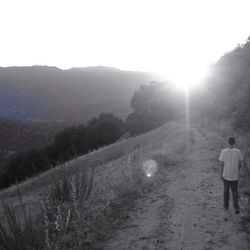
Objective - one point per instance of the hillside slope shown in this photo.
(183, 211)
(76, 95)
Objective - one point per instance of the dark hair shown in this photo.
(231, 140)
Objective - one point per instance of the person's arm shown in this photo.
(221, 170)
(221, 159)
(240, 164)
(240, 161)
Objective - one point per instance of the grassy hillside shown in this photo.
(98, 159)
(123, 172)
(75, 95)
(118, 172)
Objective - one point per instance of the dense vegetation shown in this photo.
(228, 88)
(68, 143)
(153, 105)
(17, 136)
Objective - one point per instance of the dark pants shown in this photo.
(234, 188)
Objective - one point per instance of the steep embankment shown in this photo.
(182, 212)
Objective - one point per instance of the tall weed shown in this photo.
(60, 221)
(245, 149)
(18, 229)
(68, 185)
(64, 207)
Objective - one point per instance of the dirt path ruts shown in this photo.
(186, 212)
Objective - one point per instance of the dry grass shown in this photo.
(70, 216)
(98, 158)
(18, 228)
(245, 187)
(59, 220)
(118, 187)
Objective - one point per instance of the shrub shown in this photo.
(103, 130)
(77, 186)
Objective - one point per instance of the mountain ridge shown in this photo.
(77, 94)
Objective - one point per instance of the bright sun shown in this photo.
(186, 75)
(187, 81)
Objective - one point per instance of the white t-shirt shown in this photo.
(231, 158)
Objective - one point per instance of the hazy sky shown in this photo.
(177, 38)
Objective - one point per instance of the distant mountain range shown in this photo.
(42, 93)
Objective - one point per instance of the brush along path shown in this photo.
(186, 211)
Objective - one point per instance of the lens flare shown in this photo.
(149, 167)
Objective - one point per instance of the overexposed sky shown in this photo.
(178, 38)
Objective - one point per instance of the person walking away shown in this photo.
(231, 161)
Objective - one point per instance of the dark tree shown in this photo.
(103, 130)
(152, 106)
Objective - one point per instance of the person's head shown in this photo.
(231, 141)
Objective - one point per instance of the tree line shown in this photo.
(67, 144)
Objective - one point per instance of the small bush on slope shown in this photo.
(78, 186)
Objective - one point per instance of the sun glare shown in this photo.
(186, 84)
(189, 75)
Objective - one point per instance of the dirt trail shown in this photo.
(186, 212)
